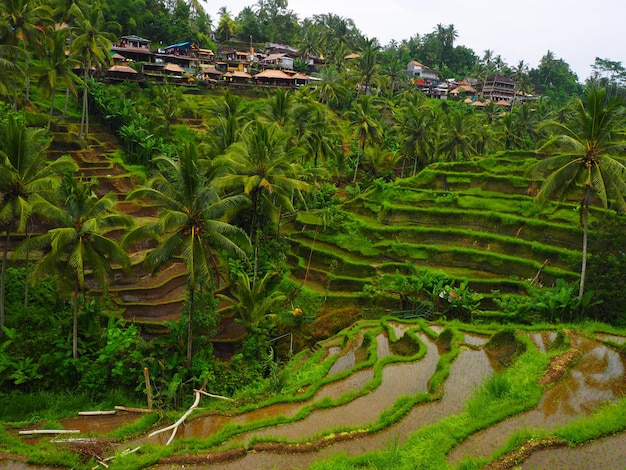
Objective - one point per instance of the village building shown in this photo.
(498, 88)
(134, 48)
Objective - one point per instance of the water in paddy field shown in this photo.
(598, 378)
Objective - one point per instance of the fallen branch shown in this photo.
(174, 426)
(96, 413)
(132, 410)
(49, 431)
(196, 402)
(213, 396)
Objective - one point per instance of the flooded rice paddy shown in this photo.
(349, 400)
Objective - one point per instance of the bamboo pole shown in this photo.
(49, 431)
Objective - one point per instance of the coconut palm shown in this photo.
(24, 172)
(457, 141)
(59, 69)
(78, 245)
(591, 158)
(91, 47)
(416, 123)
(26, 28)
(330, 86)
(193, 221)
(255, 304)
(264, 168)
(365, 126)
(227, 25)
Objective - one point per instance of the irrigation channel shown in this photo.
(598, 377)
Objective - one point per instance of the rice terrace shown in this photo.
(257, 242)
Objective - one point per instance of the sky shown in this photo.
(573, 30)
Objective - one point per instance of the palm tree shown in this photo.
(58, 70)
(91, 47)
(254, 303)
(78, 246)
(23, 173)
(591, 153)
(227, 26)
(365, 125)
(330, 86)
(193, 222)
(26, 27)
(263, 167)
(457, 139)
(416, 133)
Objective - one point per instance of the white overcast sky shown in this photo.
(576, 31)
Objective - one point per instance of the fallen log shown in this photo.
(96, 413)
(49, 431)
(132, 410)
(196, 402)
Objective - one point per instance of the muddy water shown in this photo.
(606, 453)
(597, 378)
(397, 380)
(99, 424)
(614, 338)
(475, 340)
(543, 339)
(458, 388)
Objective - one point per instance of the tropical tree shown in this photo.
(78, 244)
(91, 47)
(590, 158)
(255, 304)
(365, 126)
(264, 168)
(58, 70)
(457, 141)
(227, 25)
(330, 86)
(24, 172)
(26, 28)
(193, 222)
(415, 128)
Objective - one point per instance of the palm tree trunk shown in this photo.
(75, 325)
(51, 107)
(189, 324)
(585, 217)
(3, 277)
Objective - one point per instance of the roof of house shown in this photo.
(121, 69)
(415, 62)
(276, 74)
(134, 38)
(180, 44)
(238, 74)
(169, 67)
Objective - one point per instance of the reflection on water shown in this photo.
(605, 453)
(475, 340)
(597, 378)
(543, 339)
(397, 380)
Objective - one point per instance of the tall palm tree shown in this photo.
(227, 25)
(26, 27)
(91, 47)
(58, 70)
(365, 126)
(24, 172)
(330, 86)
(415, 122)
(457, 140)
(264, 168)
(591, 154)
(77, 245)
(193, 222)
